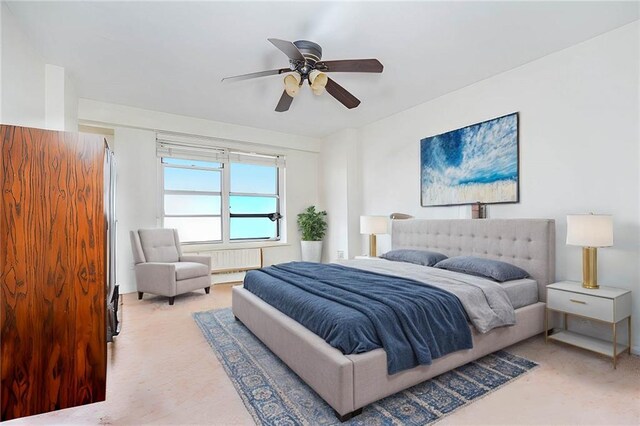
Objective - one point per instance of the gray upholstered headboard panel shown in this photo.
(527, 243)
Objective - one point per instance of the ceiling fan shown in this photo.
(305, 65)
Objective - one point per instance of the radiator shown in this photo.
(235, 260)
(230, 265)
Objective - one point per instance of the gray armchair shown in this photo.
(162, 269)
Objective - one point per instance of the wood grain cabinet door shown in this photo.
(52, 270)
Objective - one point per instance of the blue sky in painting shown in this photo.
(481, 153)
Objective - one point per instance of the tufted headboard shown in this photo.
(527, 243)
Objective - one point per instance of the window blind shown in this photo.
(209, 149)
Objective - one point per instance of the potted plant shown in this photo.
(313, 225)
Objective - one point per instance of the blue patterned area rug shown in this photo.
(275, 395)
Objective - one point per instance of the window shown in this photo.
(233, 197)
(192, 199)
(253, 202)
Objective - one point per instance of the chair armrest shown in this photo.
(205, 260)
(157, 266)
(157, 278)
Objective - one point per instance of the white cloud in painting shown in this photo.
(488, 154)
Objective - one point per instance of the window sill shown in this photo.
(190, 248)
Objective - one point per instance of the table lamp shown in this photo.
(589, 231)
(372, 225)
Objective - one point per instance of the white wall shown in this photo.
(579, 148)
(340, 194)
(91, 111)
(333, 194)
(70, 104)
(23, 76)
(138, 186)
(54, 97)
(32, 93)
(136, 194)
(1, 44)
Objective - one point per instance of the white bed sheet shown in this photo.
(521, 292)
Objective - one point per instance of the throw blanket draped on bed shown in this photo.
(357, 311)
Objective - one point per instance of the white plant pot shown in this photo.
(311, 251)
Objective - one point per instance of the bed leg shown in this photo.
(236, 318)
(348, 416)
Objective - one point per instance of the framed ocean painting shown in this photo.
(478, 163)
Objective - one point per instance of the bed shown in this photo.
(350, 382)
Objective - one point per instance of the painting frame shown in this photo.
(516, 114)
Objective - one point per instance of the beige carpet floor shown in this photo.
(162, 371)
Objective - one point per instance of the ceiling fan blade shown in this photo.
(256, 74)
(284, 103)
(341, 94)
(351, 65)
(288, 48)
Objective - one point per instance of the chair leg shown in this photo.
(207, 290)
(171, 300)
(140, 295)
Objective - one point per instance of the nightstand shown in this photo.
(606, 304)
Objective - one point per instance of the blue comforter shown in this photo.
(357, 311)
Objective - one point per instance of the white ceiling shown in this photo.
(170, 56)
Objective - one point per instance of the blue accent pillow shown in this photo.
(492, 269)
(419, 257)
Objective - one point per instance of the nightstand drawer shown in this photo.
(581, 304)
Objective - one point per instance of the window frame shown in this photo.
(225, 197)
(255, 215)
(165, 192)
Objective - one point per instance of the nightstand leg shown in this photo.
(615, 345)
(629, 331)
(566, 326)
(546, 325)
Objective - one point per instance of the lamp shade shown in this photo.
(374, 225)
(589, 230)
(292, 84)
(318, 81)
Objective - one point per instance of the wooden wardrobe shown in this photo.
(53, 272)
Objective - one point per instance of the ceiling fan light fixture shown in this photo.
(318, 80)
(305, 63)
(292, 84)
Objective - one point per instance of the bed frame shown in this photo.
(350, 382)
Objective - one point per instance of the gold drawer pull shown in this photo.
(578, 301)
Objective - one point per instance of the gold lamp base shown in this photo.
(590, 267)
(373, 251)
